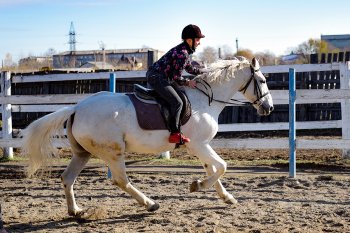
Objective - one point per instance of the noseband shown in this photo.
(234, 102)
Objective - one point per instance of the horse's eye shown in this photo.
(263, 81)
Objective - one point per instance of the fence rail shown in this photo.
(48, 103)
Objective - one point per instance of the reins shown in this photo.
(211, 98)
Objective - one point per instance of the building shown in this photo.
(341, 43)
(98, 65)
(120, 59)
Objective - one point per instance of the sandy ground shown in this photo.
(318, 200)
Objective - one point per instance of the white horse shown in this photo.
(105, 125)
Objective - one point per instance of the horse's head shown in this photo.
(256, 91)
(227, 76)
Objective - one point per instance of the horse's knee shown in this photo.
(121, 184)
(221, 167)
(66, 181)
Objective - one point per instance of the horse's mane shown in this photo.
(223, 70)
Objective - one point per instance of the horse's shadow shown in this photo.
(41, 225)
(73, 221)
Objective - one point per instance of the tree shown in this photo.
(266, 58)
(227, 52)
(247, 53)
(8, 63)
(308, 47)
(209, 55)
(50, 52)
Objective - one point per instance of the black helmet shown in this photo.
(191, 31)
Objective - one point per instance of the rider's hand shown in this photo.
(192, 83)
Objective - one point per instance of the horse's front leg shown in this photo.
(209, 159)
(223, 194)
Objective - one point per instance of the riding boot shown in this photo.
(178, 138)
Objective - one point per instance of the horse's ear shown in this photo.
(255, 64)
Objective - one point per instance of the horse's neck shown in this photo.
(222, 92)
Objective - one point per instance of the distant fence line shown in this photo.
(86, 83)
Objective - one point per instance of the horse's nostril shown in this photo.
(271, 108)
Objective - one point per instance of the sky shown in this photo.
(32, 27)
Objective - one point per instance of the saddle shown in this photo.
(152, 111)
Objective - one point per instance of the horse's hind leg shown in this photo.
(79, 160)
(117, 166)
(69, 176)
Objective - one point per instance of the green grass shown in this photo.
(14, 159)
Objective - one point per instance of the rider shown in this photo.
(168, 69)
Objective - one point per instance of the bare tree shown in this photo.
(8, 63)
(227, 52)
(209, 55)
(309, 47)
(50, 52)
(266, 58)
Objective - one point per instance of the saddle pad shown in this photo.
(148, 115)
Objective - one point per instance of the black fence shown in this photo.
(329, 57)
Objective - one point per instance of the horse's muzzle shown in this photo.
(265, 109)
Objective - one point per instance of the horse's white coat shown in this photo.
(105, 125)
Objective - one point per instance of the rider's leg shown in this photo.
(169, 94)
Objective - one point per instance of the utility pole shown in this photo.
(103, 47)
(72, 42)
(236, 45)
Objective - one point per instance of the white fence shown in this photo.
(54, 102)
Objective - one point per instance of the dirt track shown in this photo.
(317, 201)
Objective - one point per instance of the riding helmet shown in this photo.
(191, 31)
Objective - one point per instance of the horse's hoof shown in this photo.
(231, 201)
(76, 213)
(195, 186)
(154, 207)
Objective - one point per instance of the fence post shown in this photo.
(112, 77)
(164, 155)
(6, 112)
(345, 104)
(292, 133)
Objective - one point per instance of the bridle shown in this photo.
(257, 89)
(234, 102)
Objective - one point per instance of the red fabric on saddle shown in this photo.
(148, 115)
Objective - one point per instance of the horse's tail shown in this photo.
(38, 138)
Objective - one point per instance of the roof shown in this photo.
(118, 51)
(335, 37)
(337, 41)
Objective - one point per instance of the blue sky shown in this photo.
(31, 27)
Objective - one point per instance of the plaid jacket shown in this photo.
(175, 61)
